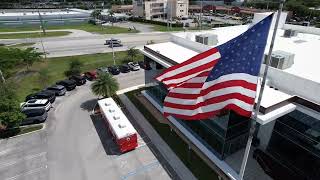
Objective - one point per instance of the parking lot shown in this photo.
(75, 145)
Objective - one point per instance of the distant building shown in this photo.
(49, 16)
(177, 8)
(150, 9)
(122, 8)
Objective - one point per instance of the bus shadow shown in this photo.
(89, 105)
(108, 144)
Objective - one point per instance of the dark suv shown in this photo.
(124, 68)
(59, 90)
(34, 116)
(68, 84)
(80, 80)
(114, 70)
(42, 95)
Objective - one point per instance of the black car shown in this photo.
(59, 90)
(34, 116)
(68, 84)
(80, 80)
(45, 94)
(114, 70)
(124, 68)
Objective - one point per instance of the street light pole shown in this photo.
(2, 77)
(114, 61)
(256, 111)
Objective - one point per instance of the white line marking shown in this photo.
(27, 173)
(29, 157)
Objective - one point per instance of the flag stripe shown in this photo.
(199, 116)
(214, 99)
(207, 108)
(188, 65)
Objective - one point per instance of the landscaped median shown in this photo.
(33, 35)
(30, 81)
(84, 26)
(20, 130)
(195, 164)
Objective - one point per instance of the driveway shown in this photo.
(139, 26)
(75, 145)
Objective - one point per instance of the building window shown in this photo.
(181, 10)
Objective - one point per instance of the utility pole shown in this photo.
(41, 22)
(2, 77)
(256, 111)
(201, 12)
(114, 61)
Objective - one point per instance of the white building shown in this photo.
(287, 141)
(150, 9)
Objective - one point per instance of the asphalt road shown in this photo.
(75, 145)
(90, 44)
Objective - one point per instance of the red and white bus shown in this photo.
(119, 126)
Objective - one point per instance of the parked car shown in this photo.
(68, 84)
(102, 70)
(91, 75)
(112, 40)
(124, 68)
(45, 94)
(34, 116)
(115, 45)
(59, 90)
(36, 104)
(80, 80)
(114, 70)
(134, 66)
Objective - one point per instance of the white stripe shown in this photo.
(229, 77)
(209, 108)
(185, 78)
(192, 65)
(212, 94)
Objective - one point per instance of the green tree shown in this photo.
(8, 60)
(132, 52)
(10, 115)
(105, 85)
(96, 14)
(75, 66)
(28, 56)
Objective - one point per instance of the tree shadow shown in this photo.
(89, 105)
(105, 137)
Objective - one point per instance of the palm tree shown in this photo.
(105, 85)
(111, 14)
(132, 52)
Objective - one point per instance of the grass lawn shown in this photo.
(33, 35)
(27, 129)
(199, 168)
(84, 26)
(21, 45)
(56, 66)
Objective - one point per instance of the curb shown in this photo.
(43, 127)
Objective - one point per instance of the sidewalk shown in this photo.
(180, 169)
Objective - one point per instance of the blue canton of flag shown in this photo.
(224, 77)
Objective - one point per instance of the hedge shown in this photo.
(135, 19)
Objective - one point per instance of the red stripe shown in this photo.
(193, 71)
(213, 100)
(202, 116)
(191, 60)
(203, 74)
(214, 87)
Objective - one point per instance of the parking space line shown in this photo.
(29, 157)
(141, 169)
(27, 173)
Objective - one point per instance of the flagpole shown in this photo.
(256, 111)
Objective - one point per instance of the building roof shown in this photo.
(118, 122)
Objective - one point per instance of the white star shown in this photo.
(253, 58)
(243, 58)
(256, 46)
(227, 57)
(258, 34)
(261, 22)
(238, 54)
(253, 30)
(251, 41)
(232, 60)
(232, 51)
(244, 48)
(232, 69)
(251, 69)
(246, 37)
(250, 52)
(238, 44)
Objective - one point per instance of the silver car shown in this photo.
(36, 104)
(134, 66)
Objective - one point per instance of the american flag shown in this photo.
(224, 77)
